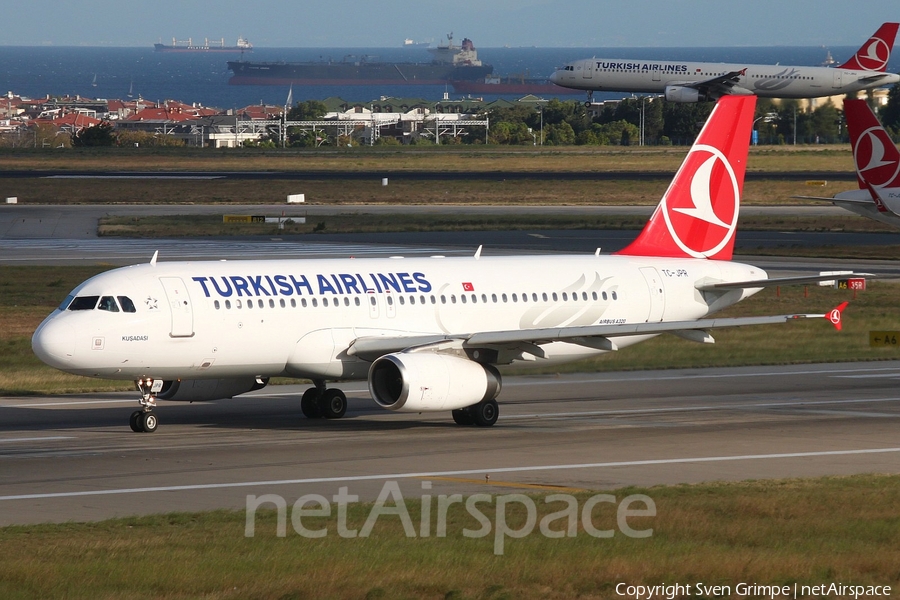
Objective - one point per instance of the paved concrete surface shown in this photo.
(75, 458)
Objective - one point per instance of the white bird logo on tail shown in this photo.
(700, 184)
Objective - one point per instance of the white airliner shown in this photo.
(684, 81)
(425, 332)
(877, 162)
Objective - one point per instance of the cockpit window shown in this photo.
(108, 303)
(84, 303)
(127, 304)
(65, 303)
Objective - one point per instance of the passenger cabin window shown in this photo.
(84, 303)
(108, 303)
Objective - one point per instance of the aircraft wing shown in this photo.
(837, 200)
(717, 87)
(592, 336)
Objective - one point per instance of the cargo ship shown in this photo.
(449, 63)
(513, 85)
(208, 46)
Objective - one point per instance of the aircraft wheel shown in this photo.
(485, 413)
(333, 404)
(309, 404)
(135, 421)
(149, 422)
(463, 416)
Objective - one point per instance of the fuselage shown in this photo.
(766, 81)
(206, 320)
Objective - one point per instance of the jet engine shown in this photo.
(680, 93)
(425, 381)
(200, 390)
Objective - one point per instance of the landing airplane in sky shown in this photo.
(427, 333)
(877, 163)
(684, 81)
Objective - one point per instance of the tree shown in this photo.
(560, 134)
(146, 139)
(683, 120)
(299, 138)
(630, 110)
(824, 122)
(311, 110)
(101, 135)
(48, 136)
(617, 132)
(890, 112)
(512, 133)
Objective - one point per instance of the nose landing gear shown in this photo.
(144, 420)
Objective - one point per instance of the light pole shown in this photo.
(642, 121)
(766, 118)
(795, 124)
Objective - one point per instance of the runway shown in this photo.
(75, 458)
(79, 221)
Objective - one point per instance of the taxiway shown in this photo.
(75, 458)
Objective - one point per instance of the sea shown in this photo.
(202, 78)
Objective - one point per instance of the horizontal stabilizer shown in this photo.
(836, 199)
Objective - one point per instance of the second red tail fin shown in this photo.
(876, 157)
(697, 216)
(876, 52)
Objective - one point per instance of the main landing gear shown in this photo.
(144, 420)
(319, 402)
(483, 414)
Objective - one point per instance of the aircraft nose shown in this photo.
(554, 78)
(54, 343)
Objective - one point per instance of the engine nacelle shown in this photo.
(680, 93)
(425, 381)
(199, 390)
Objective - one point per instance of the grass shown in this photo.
(836, 158)
(28, 294)
(560, 192)
(835, 529)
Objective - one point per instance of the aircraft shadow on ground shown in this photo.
(265, 415)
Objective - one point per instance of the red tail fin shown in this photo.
(875, 155)
(697, 216)
(876, 52)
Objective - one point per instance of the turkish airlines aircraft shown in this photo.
(877, 163)
(683, 81)
(425, 332)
